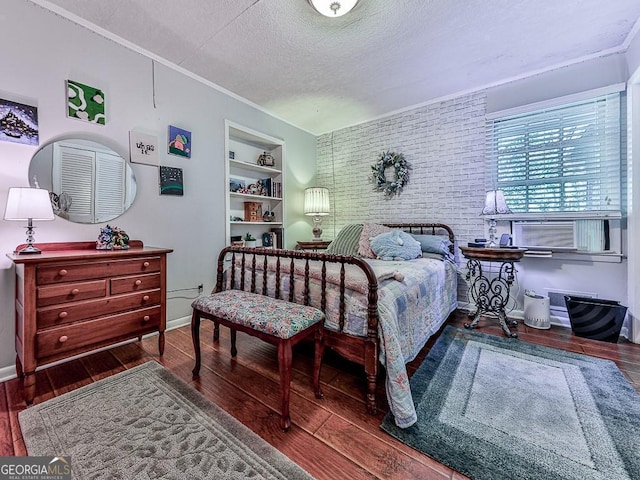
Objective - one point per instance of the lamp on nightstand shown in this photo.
(316, 204)
(28, 204)
(494, 204)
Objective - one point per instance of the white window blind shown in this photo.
(558, 160)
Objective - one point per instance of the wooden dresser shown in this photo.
(73, 299)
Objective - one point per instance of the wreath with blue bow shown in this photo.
(400, 176)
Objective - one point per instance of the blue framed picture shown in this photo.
(179, 142)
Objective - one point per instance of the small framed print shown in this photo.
(143, 148)
(179, 142)
(171, 182)
(18, 122)
(85, 103)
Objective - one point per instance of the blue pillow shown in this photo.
(434, 244)
(395, 245)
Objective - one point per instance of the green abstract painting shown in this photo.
(85, 103)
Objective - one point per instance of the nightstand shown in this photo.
(313, 245)
(491, 295)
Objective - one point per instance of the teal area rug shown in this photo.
(497, 408)
(146, 423)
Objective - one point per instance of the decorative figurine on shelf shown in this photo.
(249, 240)
(112, 238)
(268, 216)
(266, 160)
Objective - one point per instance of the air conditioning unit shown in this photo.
(551, 234)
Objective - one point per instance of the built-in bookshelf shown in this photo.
(254, 178)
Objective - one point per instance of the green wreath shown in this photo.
(401, 175)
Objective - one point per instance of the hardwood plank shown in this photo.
(68, 376)
(6, 440)
(380, 458)
(15, 404)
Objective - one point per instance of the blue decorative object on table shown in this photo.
(112, 238)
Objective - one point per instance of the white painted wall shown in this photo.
(44, 51)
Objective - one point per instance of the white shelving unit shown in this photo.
(243, 177)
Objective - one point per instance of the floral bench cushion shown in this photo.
(275, 317)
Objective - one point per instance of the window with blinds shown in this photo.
(559, 160)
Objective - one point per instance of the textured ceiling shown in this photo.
(323, 74)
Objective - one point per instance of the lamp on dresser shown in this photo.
(494, 204)
(28, 204)
(316, 204)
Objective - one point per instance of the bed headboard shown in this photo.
(427, 229)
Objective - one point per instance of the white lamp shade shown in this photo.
(28, 203)
(333, 8)
(495, 203)
(316, 201)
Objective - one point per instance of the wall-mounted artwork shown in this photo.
(85, 103)
(18, 122)
(179, 142)
(171, 181)
(144, 148)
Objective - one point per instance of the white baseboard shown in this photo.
(9, 372)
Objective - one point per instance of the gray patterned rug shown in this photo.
(146, 423)
(497, 408)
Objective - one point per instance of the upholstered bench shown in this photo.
(276, 321)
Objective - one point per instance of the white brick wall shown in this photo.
(444, 145)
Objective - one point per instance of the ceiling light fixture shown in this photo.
(333, 8)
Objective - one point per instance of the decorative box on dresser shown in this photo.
(72, 299)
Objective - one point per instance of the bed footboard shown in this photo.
(253, 264)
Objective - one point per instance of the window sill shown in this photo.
(604, 257)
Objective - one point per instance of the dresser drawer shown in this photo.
(70, 292)
(72, 312)
(69, 272)
(135, 283)
(66, 338)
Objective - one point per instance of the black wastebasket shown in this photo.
(595, 318)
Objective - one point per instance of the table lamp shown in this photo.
(316, 204)
(28, 204)
(494, 204)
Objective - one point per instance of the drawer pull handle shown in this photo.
(75, 291)
(62, 272)
(138, 283)
(63, 314)
(146, 318)
(145, 298)
(63, 339)
(145, 264)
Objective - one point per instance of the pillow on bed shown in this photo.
(433, 244)
(346, 242)
(395, 245)
(369, 231)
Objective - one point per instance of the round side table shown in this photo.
(491, 295)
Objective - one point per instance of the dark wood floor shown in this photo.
(330, 438)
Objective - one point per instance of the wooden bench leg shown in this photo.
(195, 336)
(234, 350)
(317, 361)
(284, 365)
(216, 331)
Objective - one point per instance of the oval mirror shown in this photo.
(87, 181)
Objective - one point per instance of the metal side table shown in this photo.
(491, 295)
